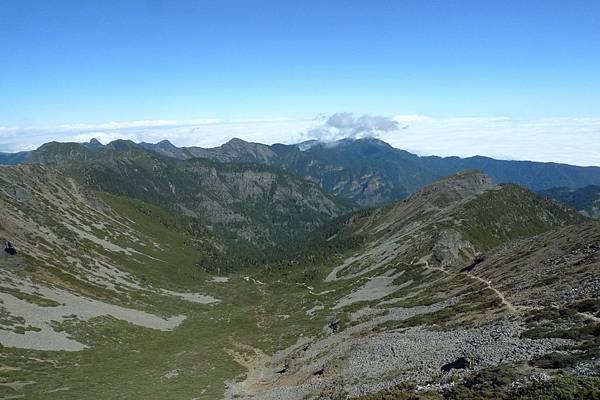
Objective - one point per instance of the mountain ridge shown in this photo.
(253, 208)
(586, 199)
(366, 171)
(413, 309)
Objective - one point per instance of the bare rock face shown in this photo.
(451, 249)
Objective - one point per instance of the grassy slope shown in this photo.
(128, 361)
(251, 207)
(131, 362)
(514, 212)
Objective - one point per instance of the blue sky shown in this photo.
(91, 62)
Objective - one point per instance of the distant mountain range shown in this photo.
(368, 172)
(586, 200)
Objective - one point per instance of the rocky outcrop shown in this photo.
(459, 363)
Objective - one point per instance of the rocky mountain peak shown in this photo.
(122, 145)
(248, 151)
(165, 144)
(461, 185)
(236, 142)
(93, 144)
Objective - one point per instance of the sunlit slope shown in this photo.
(253, 209)
(106, 298)
(409, 301)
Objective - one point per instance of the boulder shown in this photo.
(459, 363)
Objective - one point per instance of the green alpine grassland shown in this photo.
(142, 276)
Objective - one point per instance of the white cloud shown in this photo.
(346, 125)
(137, 124)
(410, 118)
(568, 140)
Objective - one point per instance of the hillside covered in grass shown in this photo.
(466, 289)
(252, 209)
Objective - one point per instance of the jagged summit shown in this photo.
(166, 144)
(93, 144)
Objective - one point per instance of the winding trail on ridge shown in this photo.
(511, 307)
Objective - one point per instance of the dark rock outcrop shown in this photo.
(459, 363)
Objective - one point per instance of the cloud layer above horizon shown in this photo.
(566, 140)
(346, 125)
